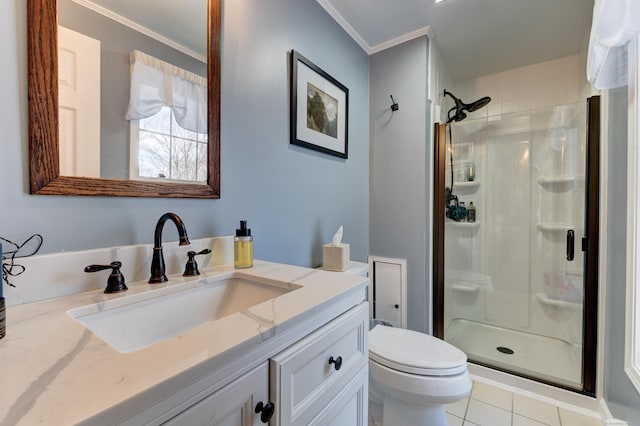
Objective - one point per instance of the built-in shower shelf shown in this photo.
(553, 227)
(466, 281)
(466, 288)
(462, 225)
(555, 303)
(466, 185)
(557, 183)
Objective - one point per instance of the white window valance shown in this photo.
(155, 83)
(615, 22)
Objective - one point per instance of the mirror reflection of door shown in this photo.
(79, 103)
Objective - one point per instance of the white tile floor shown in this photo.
(492, 406)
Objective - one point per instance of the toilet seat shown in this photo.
(415, 353)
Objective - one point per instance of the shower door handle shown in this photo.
(571, 243)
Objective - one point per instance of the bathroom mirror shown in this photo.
(44, 117)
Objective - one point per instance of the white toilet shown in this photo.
(411, 376)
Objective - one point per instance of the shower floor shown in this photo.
(535, 356)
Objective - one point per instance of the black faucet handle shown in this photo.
(115, 282)
(191, 268)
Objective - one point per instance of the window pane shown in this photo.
(183, 160)
(155, 152)
(202, 162)
(159, 122)
(170, 151)
(180, 131)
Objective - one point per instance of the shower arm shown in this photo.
(450, 195)
(459, 114)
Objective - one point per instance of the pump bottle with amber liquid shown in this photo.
(243, 247)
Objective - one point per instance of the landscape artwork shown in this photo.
(322, 111)
(319, 109)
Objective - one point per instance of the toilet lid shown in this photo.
(415, 353)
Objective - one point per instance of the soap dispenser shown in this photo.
(243, 247)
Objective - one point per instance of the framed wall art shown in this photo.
(319, 108)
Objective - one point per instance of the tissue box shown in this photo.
(335, 257)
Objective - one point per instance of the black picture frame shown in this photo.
(319, 109)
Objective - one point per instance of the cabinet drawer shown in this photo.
(303, 381)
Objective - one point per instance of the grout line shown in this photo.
(492, 405)
(512, 408)
(543, 396)
(513, 413)
(559, 416)
(534, 419)
(466, 408)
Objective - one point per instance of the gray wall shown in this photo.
(400, 183)
(620, 394)
(293, 198)
(117, 41)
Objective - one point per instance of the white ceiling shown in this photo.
(475, 37)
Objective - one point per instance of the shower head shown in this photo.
(482, 102)
(459, 109)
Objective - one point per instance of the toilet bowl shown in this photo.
(412, 376)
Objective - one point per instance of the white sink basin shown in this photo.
(138, 321)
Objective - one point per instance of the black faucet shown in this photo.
(157, 262)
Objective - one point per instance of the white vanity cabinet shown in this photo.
(320, 379)
(290, 339)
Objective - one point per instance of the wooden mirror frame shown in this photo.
(44, 159)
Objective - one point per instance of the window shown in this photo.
(168, 114)
(162, 149)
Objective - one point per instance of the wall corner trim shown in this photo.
(337, 16)
(424, 31)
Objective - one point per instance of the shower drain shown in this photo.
(505, 350)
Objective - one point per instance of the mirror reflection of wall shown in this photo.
(117, 41)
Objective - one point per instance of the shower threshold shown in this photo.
(544, 358)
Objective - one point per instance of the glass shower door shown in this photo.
(513, 280)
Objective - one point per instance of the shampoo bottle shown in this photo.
(471, 213)
(243, 247)
(471, 172)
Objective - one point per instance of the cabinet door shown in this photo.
(233, 405)
(388, 290)
(350, 406)
(306, 377)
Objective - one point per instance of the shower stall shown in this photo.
(516, 239)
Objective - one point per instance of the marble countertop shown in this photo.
(55, 371)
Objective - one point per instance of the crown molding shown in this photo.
(141, 29)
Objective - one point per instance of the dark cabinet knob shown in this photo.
(265, 410)
(396, 306)
(337, 362)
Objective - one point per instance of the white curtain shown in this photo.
(155, 83)
(615, 22)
